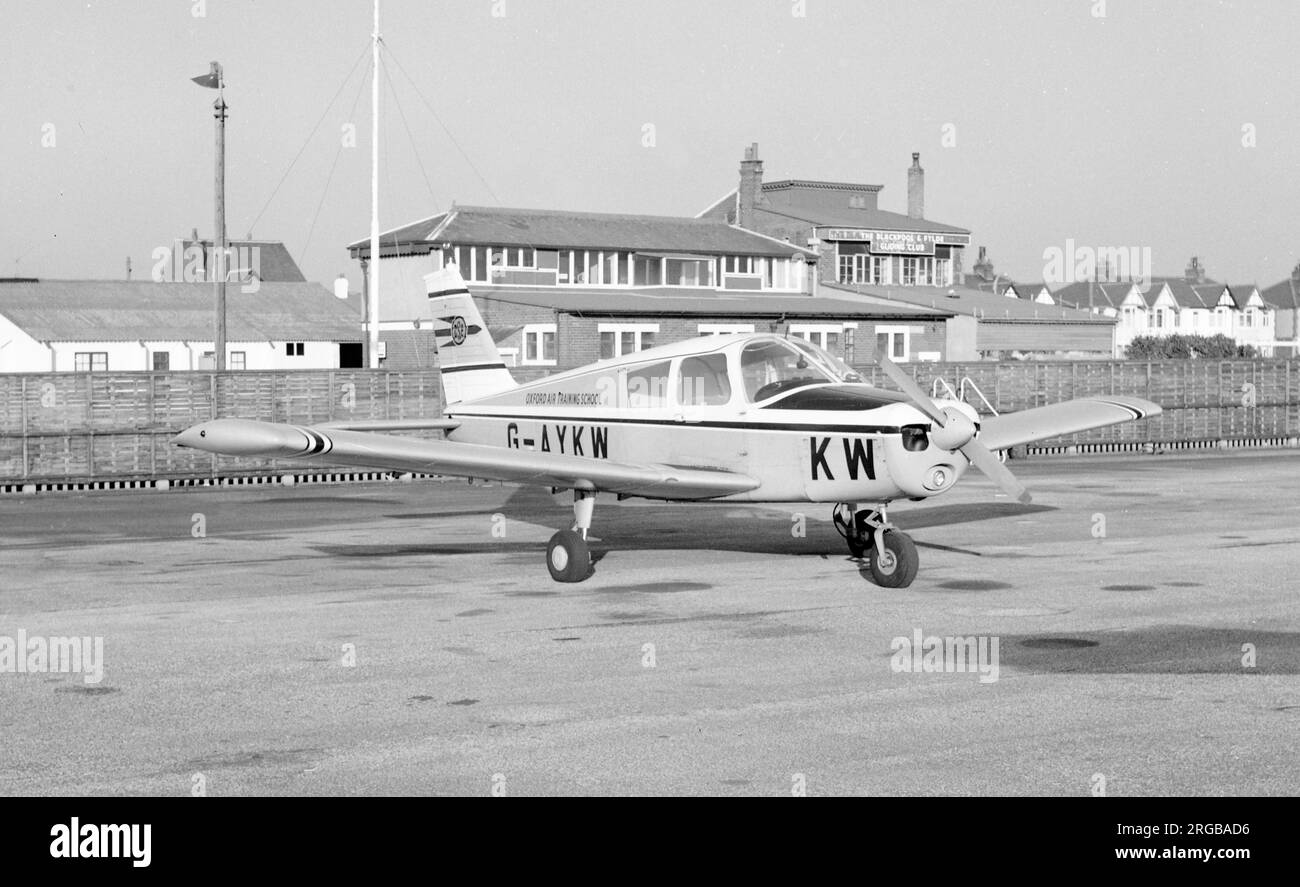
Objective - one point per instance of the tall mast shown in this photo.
(372, 319)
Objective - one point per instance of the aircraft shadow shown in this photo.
(722, 526)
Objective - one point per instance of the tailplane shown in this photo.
(471, 364)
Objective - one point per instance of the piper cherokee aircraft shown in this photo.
(733, 418)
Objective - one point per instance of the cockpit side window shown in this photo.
(647, 386)
(704, 381)
(771, 367)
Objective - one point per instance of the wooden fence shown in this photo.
(87, 427)
(92, 427)
(1206, 402)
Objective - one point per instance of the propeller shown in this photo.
(953, 430)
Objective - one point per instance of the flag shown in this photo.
(212, 79)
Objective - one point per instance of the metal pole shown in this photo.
(372, 314)
(219, 237)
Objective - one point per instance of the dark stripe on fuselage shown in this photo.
(456, 292)
(475, 366)
(742, 426)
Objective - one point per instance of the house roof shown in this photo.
(699, 303)
(559, 229)
(130, 311)
(825, 204)
(1283, 294)
(1000, 286)
(976, 303)
(273, 262)
(1103, 295)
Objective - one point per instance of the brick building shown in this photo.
(881, 257)
(560, 289)
(547, 331)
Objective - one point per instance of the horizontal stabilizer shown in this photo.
(1058, 419)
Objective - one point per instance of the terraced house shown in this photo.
(1192, 305)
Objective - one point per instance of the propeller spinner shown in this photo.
(954, 431)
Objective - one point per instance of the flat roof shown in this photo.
(699, 303)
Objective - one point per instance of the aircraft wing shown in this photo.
(1069, 417)
(331, 446)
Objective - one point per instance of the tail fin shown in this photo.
(471, 364)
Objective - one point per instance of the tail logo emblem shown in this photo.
(458, 330)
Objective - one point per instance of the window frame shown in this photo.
(539, 331)
(618, 330)
(891, 330)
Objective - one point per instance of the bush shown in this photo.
(1184, 347)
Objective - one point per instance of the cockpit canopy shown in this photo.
(775, 366)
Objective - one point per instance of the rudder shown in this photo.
(470, 362)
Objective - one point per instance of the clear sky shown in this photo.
(1168, 125)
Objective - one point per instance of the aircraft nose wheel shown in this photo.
(567, 557)
(895, 566)
(891, 554)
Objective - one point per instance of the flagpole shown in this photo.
(372, 319)
(219, 237)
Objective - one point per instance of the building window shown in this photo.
(539, 344)
(823, 335)
(910, 266)
(162, 361)
(894, 342)
(238, 360)
(648, 271)
(689, 272)
(617, 339)
(724, 329)
(294, 349)
(90, 361)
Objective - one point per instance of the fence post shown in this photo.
(27, 431)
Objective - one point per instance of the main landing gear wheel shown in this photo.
(896, 565)
(567, 557)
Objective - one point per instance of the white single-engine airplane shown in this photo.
(734, 418)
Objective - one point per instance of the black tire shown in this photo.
(858, 547)
(897, 567)
(567, 557)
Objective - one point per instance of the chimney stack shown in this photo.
(1194, 273)
(916, 188)
(751, 187)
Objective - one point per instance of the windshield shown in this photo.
(828, 361)
(770, 368)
